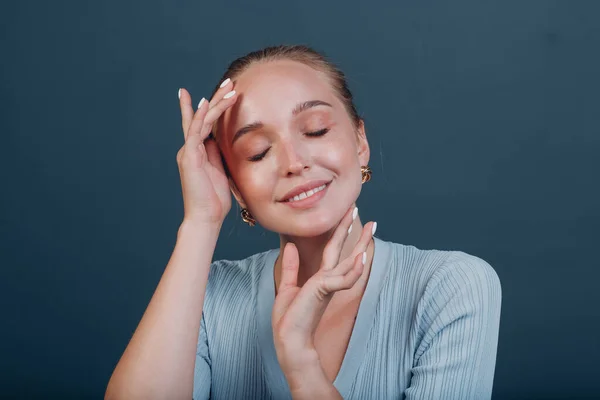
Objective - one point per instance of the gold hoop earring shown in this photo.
(247, 217)
(366, 173)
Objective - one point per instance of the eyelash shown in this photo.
(317, 133)
(260, 156)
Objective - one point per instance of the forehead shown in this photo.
(280, 75)
(269, 91)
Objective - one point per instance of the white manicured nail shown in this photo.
(201, 101)
(364, 260)
(225, 82)
(179, 93)
(374, 228)
(350, 229)
(354, 213)
(230, 94)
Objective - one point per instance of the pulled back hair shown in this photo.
(300, 53)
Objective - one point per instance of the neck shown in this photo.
(310, 252)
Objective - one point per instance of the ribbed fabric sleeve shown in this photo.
(427, 328)
(459, 316)
(202, 375)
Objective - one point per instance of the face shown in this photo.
(289, 134)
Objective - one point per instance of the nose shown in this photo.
(294, 158)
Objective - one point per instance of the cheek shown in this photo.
(339, 153)
(254, 183)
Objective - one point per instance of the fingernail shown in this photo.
(350, 229)
(374, 228)
(225, 82)
(201, 101)
(364, 260)
(179, 93)
(230, 94)
(354, 213)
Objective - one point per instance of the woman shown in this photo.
(335, 312)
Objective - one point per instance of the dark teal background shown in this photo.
(484, 124)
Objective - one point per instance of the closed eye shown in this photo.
(317, 133)
(259, 157)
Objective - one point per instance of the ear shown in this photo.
(236, 193)
(364, 153)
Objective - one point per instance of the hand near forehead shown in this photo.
(205, 187)
(298, 311)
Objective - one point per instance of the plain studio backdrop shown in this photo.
(484, 124)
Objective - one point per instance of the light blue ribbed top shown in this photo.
(427, 328)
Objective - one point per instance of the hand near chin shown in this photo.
(297, 311)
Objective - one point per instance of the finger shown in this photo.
(194, 137)
(224, 88)
(331, 253)
(345, 281)
(289, 267)
(287, 286)
(346, 266)
(216, 111)
(360, 247)
(187, 112)
(365, 237)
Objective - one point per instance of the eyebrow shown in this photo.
(297, 110)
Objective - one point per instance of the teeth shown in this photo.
(304, 195)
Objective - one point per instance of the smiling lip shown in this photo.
(309, 201)
(304, 188)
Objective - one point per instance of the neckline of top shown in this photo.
(360, 332)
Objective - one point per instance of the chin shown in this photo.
(313, 230)
(315, 224)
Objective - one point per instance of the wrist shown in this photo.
(303, 378)
(296, 363)
(194, 227)
(312, 383)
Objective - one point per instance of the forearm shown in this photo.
(159, 360)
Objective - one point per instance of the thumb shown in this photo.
(213, 154)
(289, 267)
(289, 279)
